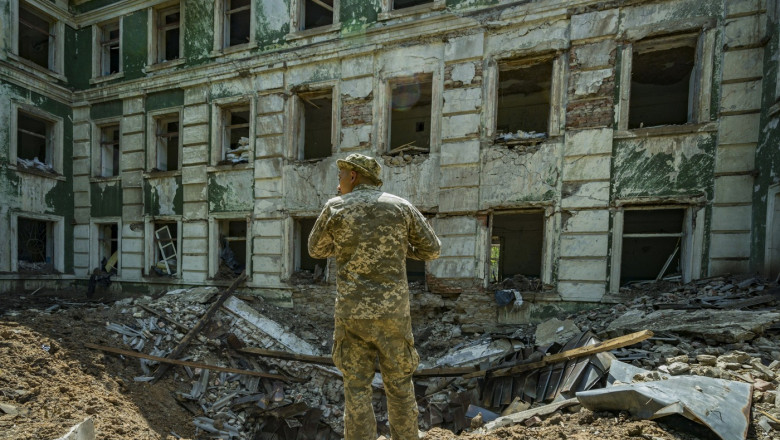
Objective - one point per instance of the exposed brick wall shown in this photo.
(449, 83)
(590, 113)
(356, 112)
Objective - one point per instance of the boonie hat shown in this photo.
(365, 165)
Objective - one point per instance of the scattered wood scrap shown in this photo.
(168, 361)
(522, 416)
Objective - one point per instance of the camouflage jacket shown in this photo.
(371, 233)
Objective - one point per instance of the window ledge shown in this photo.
(35, 68)
(233, 49)
(229, 167)
(437, 5)
(161, 174)
(322, 30)
(666, 130)
(106, 78)
(35, 172)
(105, 179)
(164, 65)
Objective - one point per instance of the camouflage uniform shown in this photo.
(371, 234)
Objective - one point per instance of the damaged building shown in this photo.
(575, 145)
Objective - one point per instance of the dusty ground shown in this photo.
(49, 381)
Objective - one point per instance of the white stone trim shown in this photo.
(57, 238)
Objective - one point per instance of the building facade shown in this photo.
(584, 143)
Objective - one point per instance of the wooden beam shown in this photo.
(324, 5)
(168, 361)
(177, 352)
(611, 344)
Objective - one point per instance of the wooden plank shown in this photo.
(177, 352)
(522, 416)
(168, 361)
(611, 344)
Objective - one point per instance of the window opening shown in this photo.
(35, 246)
(36, 38)
(307, 268)
(109, 48)
(109, 150)
(516, 250)
(167, 138)
(317, 13)
(237, 21)
(166, 244)
(410, 116)
(315, 126)
(232, 248)
(651, 244)
(235, 136)
(108, 247)
(168, 28)
(400, 4)
(34, 142)
(523, 112)
(661, 85)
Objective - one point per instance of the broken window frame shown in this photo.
(55, 31)
(392, 84)
(548, 219)
(556, 118)
(298, 244)
(219, 109)
(222, 27)
(55, 239)
(297, 114)
(384, 116)
(54, 136)
(157, 37)
(216, 226)
(700, 82)
(101, 50)
(388, 9)
(298, 19)
(105, 161)
(98, 147)
(691, 239)
(151, 249)
(153, 139)
(96, 243)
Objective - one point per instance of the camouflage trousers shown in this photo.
(357, 343)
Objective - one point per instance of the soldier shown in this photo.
(371, 233)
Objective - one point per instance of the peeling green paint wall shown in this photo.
(78, 57)
(272, 18)
(664, 166)
(166, 99)
(198, 30)
(107, 109)
(106, 199)
(91, 6)
(134, 44)
(357, 15)
(163, 196)
(231, 191)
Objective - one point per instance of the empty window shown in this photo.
(167, 143)
(523, 107)
(34, 142)
(166, 249)
(36, 37)
(516, 246)
(400, 4)
(662, 83)
(315, 120)
(168, 23)
(410, 116)
(236, 22)
(35, 245)
(316, 13)
(109, 150)
(108, 247)
(303, 261)
(235, 135)
(651, 243)
(232, 248)
(108, 37)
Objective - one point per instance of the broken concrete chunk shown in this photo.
(727, 326)
(83, 431)
(555, 331)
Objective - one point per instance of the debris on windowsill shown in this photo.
(36, 164)
(406, 153)
(240, 154)
(40, 267)
(519, 137)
